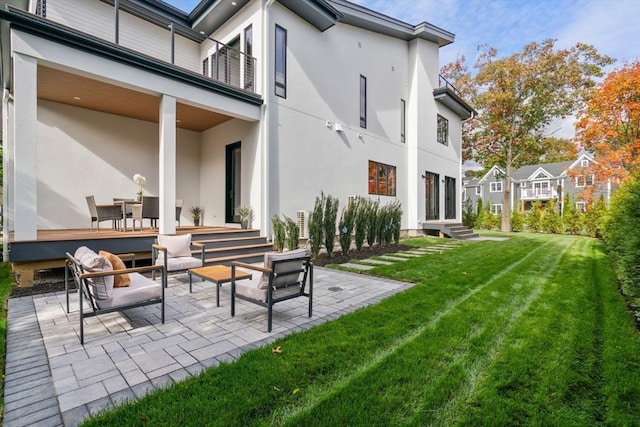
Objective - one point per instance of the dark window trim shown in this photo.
(387, 174)
(403, 120)
(363, 101)
(443, 139)
(248, 55)
(280, 87)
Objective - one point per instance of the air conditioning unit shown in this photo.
(302, 220)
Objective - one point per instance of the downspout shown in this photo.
(266, 173)
(6, 96)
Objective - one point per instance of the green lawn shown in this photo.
(528, 331)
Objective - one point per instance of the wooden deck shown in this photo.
(49, 249)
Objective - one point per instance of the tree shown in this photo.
(609, 124)
(518, 96)
(557, 150)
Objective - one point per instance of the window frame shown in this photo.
(377, 172)
(581, 181)
(280, 85)
(403, 121)
(493, 187)
(478, 191)
(363, 101)
(442, 127)
(249, 76)
(581, 206)
(496, 208)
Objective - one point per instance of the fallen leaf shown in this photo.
(276, 388)
(276, 350)
(295, 390)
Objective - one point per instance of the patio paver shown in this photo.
(53, 380)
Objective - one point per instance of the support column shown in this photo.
(25, 180)
(167, 164)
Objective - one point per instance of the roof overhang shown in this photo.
(318, 13)
(368, 19)
(209, 15)
(449, 99)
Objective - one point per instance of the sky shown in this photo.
(612, 26)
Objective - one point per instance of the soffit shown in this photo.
(64, 87)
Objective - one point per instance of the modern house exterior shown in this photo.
(541, 182)
(244, 102)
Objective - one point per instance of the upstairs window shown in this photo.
(582, 181)
(205, 67)
(281, 62)
(496, 187)
(478, 191)
(443, 130)
(248, 59)
(403, 120)
(363, 102)
(584, 163)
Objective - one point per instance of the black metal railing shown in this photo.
(445, 83)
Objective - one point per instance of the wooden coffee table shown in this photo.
(217, 274)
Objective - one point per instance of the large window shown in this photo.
(496, 187)
(403, 120)
(443, 130)
(281, 62)
(382, 179)
(363, 102)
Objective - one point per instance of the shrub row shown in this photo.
(622, 236)
(541, 219)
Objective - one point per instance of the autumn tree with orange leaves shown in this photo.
(609, 124)
(517, 97)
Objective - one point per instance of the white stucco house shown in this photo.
(247, 102)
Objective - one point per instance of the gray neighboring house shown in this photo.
(543, 182)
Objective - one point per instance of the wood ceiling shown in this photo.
(72, 89)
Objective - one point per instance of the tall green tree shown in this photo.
(517, 97)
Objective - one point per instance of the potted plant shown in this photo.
(196, 214)
(246, 216)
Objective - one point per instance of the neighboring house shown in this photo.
(241, 102)
(543, 182)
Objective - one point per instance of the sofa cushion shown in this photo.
(177, 246)
(99, 287)
(269, 257)
(141, 289)
(119, 280)
(180, 263)
(252, 289)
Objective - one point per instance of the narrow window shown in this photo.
(363, 102)
(580, 181)
(403, 120)
(590, 179)
(205, 67)
(443, 130)
(382, 179)
(478, 191)
(281, 62)
(249, 68)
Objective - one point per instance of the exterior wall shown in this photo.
(212, 170)
(323, 73)
(82, 152)
(98, 19)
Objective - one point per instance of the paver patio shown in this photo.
(53, 380)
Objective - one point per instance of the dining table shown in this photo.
(125, 202)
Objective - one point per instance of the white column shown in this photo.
(167, 165)
(25, 183)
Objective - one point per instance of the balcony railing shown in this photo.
(227, 64)
(445, 83)
(538, 194)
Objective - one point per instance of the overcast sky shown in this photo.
(612, 26)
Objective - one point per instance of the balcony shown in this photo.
(538, 194)
(450, 97)
(159, 36)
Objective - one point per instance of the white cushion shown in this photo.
(177, 246)
(180, 263)
(99, 287)
(269, 257)
(251, 289)
(141, 289)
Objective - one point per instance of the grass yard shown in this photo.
(528, 331)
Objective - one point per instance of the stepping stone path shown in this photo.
(393, 258)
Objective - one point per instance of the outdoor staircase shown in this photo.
(449, 229)
(234, 245)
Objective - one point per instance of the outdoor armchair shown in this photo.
(175, 253)
(95, 277)
(284, 276)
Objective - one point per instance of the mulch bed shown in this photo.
(52, 280)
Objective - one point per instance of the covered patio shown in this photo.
(53, 380)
